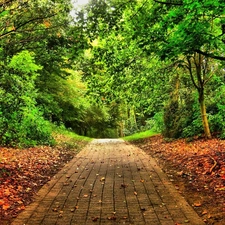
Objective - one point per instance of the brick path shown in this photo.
(109, 182)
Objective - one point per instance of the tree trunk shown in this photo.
(203, 114)
(198, 62)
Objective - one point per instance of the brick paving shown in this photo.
(109, 182)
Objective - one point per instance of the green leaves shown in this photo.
(24, 62)
(4, 13)
(21, 121)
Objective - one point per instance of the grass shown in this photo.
(68, 139)
(140, 135)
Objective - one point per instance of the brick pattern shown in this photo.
(109, 182)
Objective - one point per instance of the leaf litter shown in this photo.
(23, 172)
(197, 169)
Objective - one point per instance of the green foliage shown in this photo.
(140, 135)
(217, 112)
(21, 122)
(67, 133)
(171, 120)
(118, 67)
(156, 123)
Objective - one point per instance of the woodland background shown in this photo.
(111, 68)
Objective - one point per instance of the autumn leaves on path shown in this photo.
(109, 182)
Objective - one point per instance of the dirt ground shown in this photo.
(197, 169)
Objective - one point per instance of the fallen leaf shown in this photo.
(111, 218)
(5, 206)
(20, 202)
(22, 207)
(135, 193)
(204, 212)
(2, 202)
(94, 219)
(197, 204)
(123, 185)
(220, 189)
(7, 192)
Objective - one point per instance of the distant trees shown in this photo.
(188, 36)
(114, 68)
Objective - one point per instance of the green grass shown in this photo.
(68, 139)
(140, 135)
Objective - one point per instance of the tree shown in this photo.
(21, 121)
(32, 32)
(172, 29)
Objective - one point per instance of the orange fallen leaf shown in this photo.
(197, 204)
(135, 193)
(5, 206)
(2, 202)
(7, 192)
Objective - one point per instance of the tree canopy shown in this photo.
(111, 68)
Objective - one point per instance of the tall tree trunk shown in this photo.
(204, 114)
(201, 81)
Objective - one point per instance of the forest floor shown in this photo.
(24, 171)
(197, 169)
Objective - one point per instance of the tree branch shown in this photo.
(169, 3)
(189, 67)
(222, 58)
(23, 24)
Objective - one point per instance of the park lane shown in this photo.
(109, 182)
